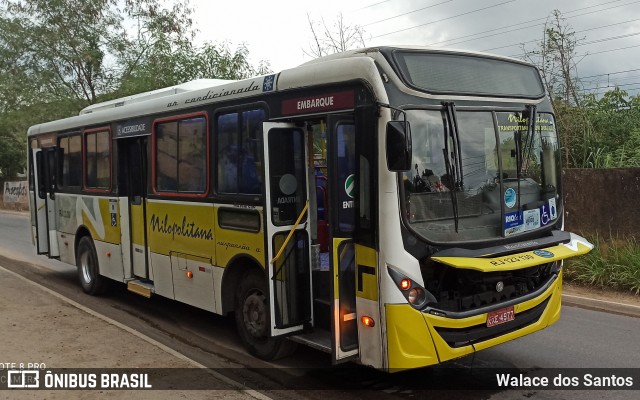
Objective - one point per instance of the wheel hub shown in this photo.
(86, 272)
(254, 314)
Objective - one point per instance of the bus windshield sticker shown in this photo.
(552, 209)
(513, 223)
(510, 197)
(531, 219)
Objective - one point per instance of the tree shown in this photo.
(555, 57)
(172, 66)
(101, 49)
(616, 119)
(66, 49)
(58, 56)
(337, 38)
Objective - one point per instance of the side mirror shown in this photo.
(398, 146)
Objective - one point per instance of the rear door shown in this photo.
(135, 166)
(44, 162)
(287, 229)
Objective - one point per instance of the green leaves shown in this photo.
(58, 56)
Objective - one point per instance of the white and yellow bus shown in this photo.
(398, 207)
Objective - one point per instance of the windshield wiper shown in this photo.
(456, 152)
(453, 158)
(531, 131)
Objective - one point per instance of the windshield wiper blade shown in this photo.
(454, 171)
(531, 130)
(454, 133)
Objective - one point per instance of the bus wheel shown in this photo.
(88, 271)
(253, 319)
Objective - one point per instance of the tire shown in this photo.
(88, 269)
(253, 320)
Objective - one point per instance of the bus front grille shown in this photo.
(478, 333)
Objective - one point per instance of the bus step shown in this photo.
(319, 339)
(139, 287)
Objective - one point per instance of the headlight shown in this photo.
(416, 297)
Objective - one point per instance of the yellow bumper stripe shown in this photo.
(578, 246)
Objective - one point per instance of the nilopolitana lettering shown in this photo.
(186, 229)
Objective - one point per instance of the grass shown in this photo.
(613, 263)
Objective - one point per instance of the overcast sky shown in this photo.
(278, 31)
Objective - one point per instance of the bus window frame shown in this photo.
(154, 151)
(248, 198)
(84, 160)
(60, 160)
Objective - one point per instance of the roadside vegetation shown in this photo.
(613, 263)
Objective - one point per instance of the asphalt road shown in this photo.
(581, 339)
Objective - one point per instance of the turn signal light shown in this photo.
(405, 284)
(368, 321)
(189, 274)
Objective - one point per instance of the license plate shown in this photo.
(500, 316)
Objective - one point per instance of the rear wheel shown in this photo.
(88, 269)
(253, 320)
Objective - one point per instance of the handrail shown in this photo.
(293, 228)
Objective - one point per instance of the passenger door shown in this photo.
(287, 228)
(44, 163)
(133, 179)
(343, 188)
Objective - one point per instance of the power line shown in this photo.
(444, 19)
(530, 21)
(596, 41)
(407, 13)
(612, 73)
(607, 39)
(612, 86)
(610, 50)
(584, 30)
(370, 5)
(609, 79)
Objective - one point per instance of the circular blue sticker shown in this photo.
(543, 253)
(510, 197)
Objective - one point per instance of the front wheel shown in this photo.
(253, 320)
(88, 269)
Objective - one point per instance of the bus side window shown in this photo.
(98, 160)
(181, 156)
(239, 152)
(70, 162)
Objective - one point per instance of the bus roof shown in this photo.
(202, 92)
(369, 50)
(154, 94)
(340, 67)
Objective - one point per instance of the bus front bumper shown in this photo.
(417, 339)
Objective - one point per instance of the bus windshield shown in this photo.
(493, 175)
